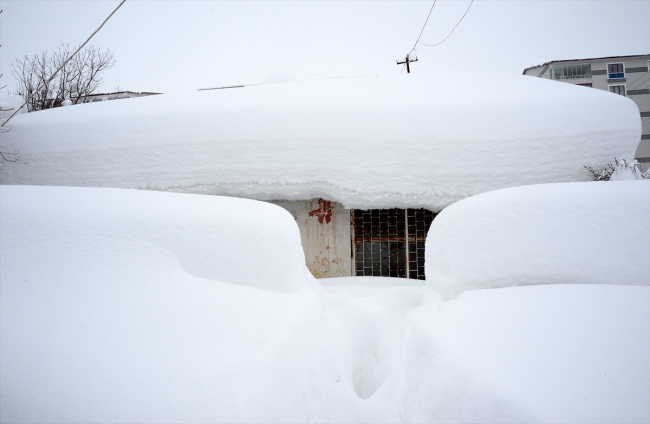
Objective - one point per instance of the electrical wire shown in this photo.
(638, 85)
(452, 31)
(421, 31)
(424, 26)
(640, 76)
(64, 63)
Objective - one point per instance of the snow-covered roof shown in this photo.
(9, 104)
(404, 141)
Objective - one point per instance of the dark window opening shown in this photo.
(390, 242)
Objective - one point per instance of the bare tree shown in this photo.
(6, 157)
(77, 79)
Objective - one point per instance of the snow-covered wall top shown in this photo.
(411, 140)
(578, 233)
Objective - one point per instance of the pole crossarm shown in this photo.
(406, 61)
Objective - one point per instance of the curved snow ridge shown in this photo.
(581, 233)
(216, 238)
(366, 138)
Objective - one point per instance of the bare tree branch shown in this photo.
(71, 56)
(76, 80)
(606, 173)
(6, 157)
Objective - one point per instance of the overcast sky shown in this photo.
(170, 46)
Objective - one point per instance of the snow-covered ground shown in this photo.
(378, 142)
(138, 306)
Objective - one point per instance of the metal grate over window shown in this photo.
(419, 221)
(390, 242)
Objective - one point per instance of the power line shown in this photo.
(407, 58)
(424, 26)
(640, 76)
(64, 63)
(452, 31)
(639, 85)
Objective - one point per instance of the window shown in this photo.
(562, 72)
(615, 71)
(618, 89)
(390, 242)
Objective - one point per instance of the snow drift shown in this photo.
(596, 232)
(103, 321)
(210, 237)
(406, 141)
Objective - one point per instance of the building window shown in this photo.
(615, 71)
(618, 89)
(562, 72)
(390, 242)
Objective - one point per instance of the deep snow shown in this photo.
(9, 104)
(581, 233)
(403, 141)
(103, 321)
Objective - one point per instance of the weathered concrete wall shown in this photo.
(325, 236)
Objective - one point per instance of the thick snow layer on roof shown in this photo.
(102, 320)
(9, 104)
(588, 233)
(409, 140)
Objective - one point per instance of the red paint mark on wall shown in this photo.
(324, 211)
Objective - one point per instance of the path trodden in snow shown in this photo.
(369, 286)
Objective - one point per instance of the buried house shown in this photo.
(362, 164)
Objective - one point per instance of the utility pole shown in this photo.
(409, 58)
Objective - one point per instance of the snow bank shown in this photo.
(597, 232)
(547, 354)
(404, 141)
(102, 321)
(214, 238)
(9, 104)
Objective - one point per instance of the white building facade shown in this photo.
(623, 75)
